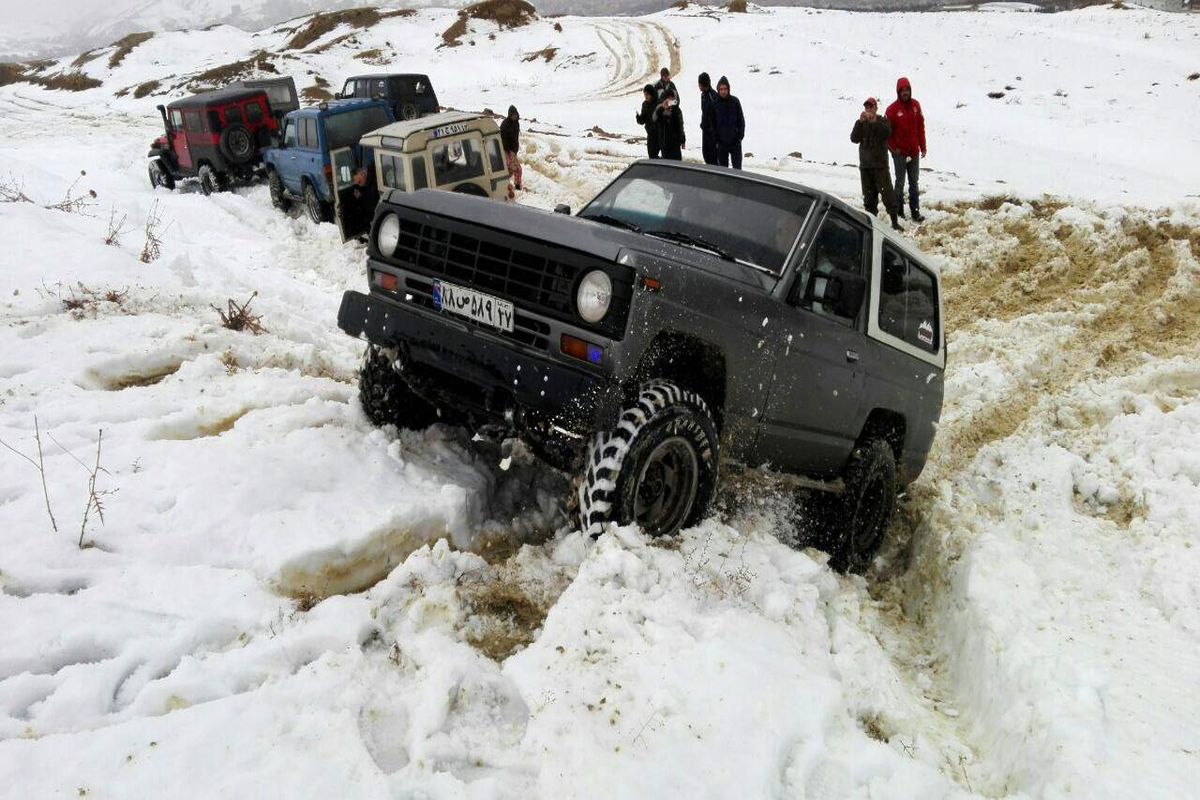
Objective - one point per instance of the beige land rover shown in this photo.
(453, 151)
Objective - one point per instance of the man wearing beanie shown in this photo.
(728, 124)
(708, 139)
(870, 133)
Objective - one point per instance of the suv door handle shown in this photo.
(852, 355)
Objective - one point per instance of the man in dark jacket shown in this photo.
(708, 145)
(907, 145)
(645, 118)
(665, 86)
(510, 137)
(671, 136)
(728, 124)
(870, 133)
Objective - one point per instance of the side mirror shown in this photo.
(338, 96)
(562, 208)
(844, 292)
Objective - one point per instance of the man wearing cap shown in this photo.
(665, 87)
(870, 133)
(907, 145)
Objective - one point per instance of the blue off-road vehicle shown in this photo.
(301, 167)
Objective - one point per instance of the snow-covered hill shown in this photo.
(262, 610)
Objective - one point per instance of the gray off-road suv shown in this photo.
(687, 315)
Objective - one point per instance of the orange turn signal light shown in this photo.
(386, 281)
(584, 351)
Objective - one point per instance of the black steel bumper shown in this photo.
(464, 367)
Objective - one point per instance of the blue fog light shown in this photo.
(595, 353)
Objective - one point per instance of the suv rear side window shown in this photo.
(494, 155)
(908, 302)
(194, 120)
(254, 113)
(308, 133)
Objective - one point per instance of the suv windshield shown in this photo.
(750, 221)
(345, 129)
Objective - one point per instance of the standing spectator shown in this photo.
(870, 133)
(907, 145)
(728, 124)
(708, 144)
(510, 137)
(671, 136)
(665, 86)
(645, 118)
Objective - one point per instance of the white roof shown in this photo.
(401, 130)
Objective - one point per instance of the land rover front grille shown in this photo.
(534, 276)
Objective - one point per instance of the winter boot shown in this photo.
(916, 216)
(900, 213)
(896, 226)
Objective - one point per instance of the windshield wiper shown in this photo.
(605, 219)
(692, 241)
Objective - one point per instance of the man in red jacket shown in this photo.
(907, 146)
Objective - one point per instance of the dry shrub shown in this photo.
(736, 6)
(1195, 76)
(372, 56)
(505, 13)
(325, 22)
(154, 230)
(85, 57)
(143, 89)
(66, 81)
(239, 317)
(228, 73)
(76, 202)
(11, 72)
(547, 54)
(125, 45)
(315, 94)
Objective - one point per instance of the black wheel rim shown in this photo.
(666, 487)
(240, 144)
(868, 520)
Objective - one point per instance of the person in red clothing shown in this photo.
(907, 146)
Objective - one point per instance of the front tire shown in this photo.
(386, 398)
(159, 176)
(275, 185)
(657, 467)
(866, 506)
(318, 210)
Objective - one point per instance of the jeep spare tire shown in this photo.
(408, 111)
(237, 145)
(657, 467)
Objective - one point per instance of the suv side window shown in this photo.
(908, 302)
(420, 175)
(308, 136)
(233, 115)
(380, 88)
(393, 171)
(494, 155)
(348, 89)
(254, 113)
(289, 134)
(841, 245)
(194, 121)
(176, 118)
(456, 161)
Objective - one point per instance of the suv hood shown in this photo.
(605, 242)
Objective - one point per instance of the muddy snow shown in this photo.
(222, 580)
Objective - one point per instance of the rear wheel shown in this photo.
(386, 398)
(159, 176)
(210, 180)
(275, 185)
(318, 210)
(865, 508)
(657, 467)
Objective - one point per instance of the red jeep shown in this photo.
(214, 136)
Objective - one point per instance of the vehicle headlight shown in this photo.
(388, 237)
(594, 295)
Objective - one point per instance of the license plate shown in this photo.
(474, 305)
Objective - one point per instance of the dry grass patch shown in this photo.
(315, 94)
(226, 74)
(125, 45)
(736, 6)
(505, 13)
(65, 81)
(546, 53)
(326, 22)
(143, 89)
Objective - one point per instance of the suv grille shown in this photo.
(534, 276)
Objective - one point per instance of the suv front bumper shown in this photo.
(458, 365)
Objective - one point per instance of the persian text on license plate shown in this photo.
(473, 305)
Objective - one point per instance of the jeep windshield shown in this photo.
(721, 214)
(346, 128)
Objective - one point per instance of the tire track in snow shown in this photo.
(638, 50)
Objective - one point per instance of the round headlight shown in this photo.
(594, 295)
(388, 236)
